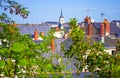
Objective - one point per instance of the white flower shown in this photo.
(24, 71)
(5, 40)
(59, 60)
(0, 42)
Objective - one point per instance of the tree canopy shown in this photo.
(89, 57)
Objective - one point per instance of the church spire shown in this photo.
(61, 16)
(61, 20)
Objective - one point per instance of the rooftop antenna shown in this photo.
(102, 15)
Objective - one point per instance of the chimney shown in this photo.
(35, 34)
(52, 45)
(107, 33)
(89, 29)
(57, 28)
(102, 29)
(107, 27)
(86, 19)
(89, 20)
(102, 32)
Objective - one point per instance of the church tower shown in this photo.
(61, 20)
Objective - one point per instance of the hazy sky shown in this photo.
(49, 10)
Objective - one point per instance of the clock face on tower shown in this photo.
(61, 20)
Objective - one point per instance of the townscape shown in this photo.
(74, 49)
(106, 32)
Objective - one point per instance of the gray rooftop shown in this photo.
(109, 42)
(30, 29)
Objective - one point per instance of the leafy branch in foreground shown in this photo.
(24, 58)
(90, 57)
(14, 8)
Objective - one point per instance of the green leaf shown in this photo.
(1, 51)
(2, 63)
(49, 66)
(23, 62)
(17, 47)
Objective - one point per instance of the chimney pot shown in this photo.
(53, 45)
(36, 34)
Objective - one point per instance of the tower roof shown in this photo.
(61, 16)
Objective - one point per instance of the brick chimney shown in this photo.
(102, 29)
(107, 33)
(35, 34)
(87, 19)
(52, 45)
(89, 29)
(102, 32)
(57, 28)
(107, 27)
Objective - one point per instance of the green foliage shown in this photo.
(17, 47)
(23, 62)
(73, 23)
(5, 18)
(115, 71)
(118, 45)
(27, 55)
(20, 55)
(9, 68)
(2, 63)
(14, 8)
(9, 32)
(79, 47)
(100, 63)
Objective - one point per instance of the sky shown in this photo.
(49, 10)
